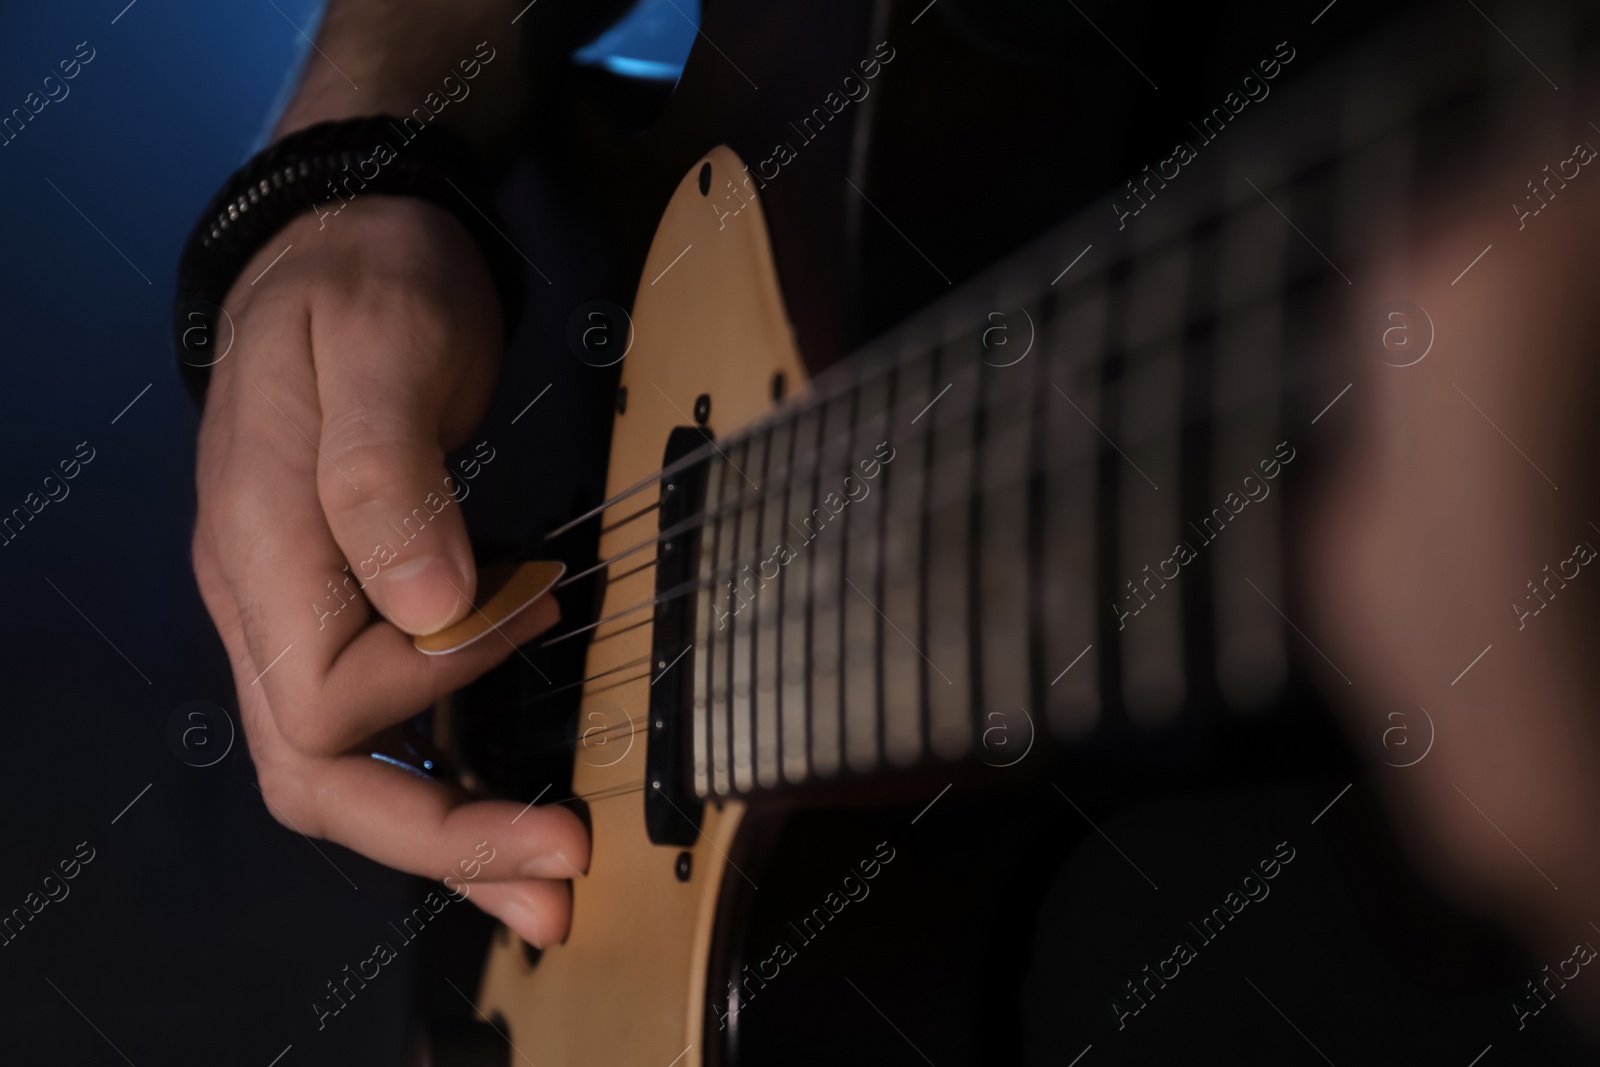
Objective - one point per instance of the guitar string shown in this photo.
(746, 501)
(609, 793)
(952, 497)
(878, 357)
(787, 476)
(606, 733)
(794, 473)
(781, 483)
(886, 353)
(948, 496)
(696, 519)
(687, 461)
(853, 375)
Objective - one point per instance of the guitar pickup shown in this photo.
(672, 810)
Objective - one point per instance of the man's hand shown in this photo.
(361, 357)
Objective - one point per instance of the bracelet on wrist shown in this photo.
(320, 169)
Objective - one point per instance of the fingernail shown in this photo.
(503, 593)
(424, 595)
(551, 865)
(523, 922)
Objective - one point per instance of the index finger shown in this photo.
(331, 671)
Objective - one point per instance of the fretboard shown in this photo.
(1056, 499)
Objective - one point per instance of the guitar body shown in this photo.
(629, 985)
(659, 932)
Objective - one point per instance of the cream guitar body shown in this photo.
(628, 986)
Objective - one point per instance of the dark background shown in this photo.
(201, 931)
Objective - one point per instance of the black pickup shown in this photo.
(671, 809)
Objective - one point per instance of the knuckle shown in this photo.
(406, 306)
(288, 799)
(308, 731)
(369, 456)
(233, 503)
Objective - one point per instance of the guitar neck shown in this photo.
(1056, 498)
(948, 525)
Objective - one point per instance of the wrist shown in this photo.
(456, 67)
(322, 172)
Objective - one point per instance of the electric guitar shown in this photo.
(1037, 529)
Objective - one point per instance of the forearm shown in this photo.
(392, 56)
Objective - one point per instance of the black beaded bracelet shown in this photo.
(321, 169)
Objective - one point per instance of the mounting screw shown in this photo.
(684, 865)
(779, 387)
(622, 399)
(702, 408)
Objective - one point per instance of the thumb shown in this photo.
(390, 502)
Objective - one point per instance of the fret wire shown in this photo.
(702, 663)
(1197, 442)
(846, 598)
(936, 363)
(880, 575)
(1150, 395)
(1071, 471)
(860, 666)
(825, 620)
(1108, 496)
(1037, 496)
(795, 669)
(1001, 565)
(973, 564)
(721, 646)
(741, 629)
(947, 663)
(905, 480)
(766, 646)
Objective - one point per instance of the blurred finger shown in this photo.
(539, 912)
(424, 827)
